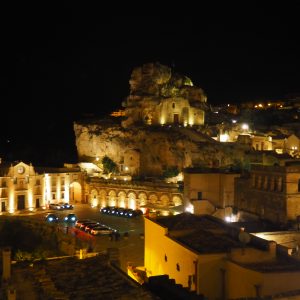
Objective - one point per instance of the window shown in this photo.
(173, 105)
(166, 258)
(53, 196)
(298, 185)
(62, 195)
(199, 196)
(177, 267)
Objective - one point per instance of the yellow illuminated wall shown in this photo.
(215, 187)
(185, 113)
(241, 282)
(163, 255)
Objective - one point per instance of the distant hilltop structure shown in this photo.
(160, 97)
(118, 113)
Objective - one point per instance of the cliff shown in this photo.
(150, 150)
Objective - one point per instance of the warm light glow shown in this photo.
(162, 120)
(233, 121)
(95, 202)
(260, 105)
(132, 203)
(47, 188)
(245, 126)
(164, 213)
(11, 201)
(279, 151)
(231, 218)
(30, 198)
(269, 104)
(185, 123)
(191, 121)
(97, 158)
(224, 137)
(190, 208)
(67, 189)
(126, 168)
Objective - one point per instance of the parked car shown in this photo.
(85, 224)
(101, 230)
(79, 222)
(66, 205)
(70, 218)
(55, 206)
(89, 227)
(51, 218)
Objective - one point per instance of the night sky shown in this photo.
(62, 63)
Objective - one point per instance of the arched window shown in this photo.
(173, 105)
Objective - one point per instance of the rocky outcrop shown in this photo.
(157, 148)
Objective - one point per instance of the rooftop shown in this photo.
(204, 234)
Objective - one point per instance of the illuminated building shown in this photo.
(271, 192)
(24, 187)
(209, 191)
(216, 259)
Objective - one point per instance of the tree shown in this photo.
(109, 165)
(171, 172)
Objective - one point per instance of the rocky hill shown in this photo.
(157, 148)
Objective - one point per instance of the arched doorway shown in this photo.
(122, 199)
(112, 197)
(102, 198)
(94, 198)
(75, 192)
(131, 200)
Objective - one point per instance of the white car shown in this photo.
(101, 230)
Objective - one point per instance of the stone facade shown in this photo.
(271, 192)
(24, 187)
(157, 196)
(213, 186)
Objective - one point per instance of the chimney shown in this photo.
(272, 248)
(6, 255)
(11, 294)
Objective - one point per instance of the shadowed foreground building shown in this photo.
(205, 255)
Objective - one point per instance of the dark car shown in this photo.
(70, 218)
(51, 218)
(68, 206)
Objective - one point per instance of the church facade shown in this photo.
(24, 187)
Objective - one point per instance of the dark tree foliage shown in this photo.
(109, 165)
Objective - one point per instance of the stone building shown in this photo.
(270, 192)
(157, 197)
(25, 187)
(158, 96)
(217, 260)
(209, 191)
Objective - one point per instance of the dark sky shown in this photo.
(61, 62)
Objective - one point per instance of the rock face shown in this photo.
(149, 151)
(159, 131)
(159, 96)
